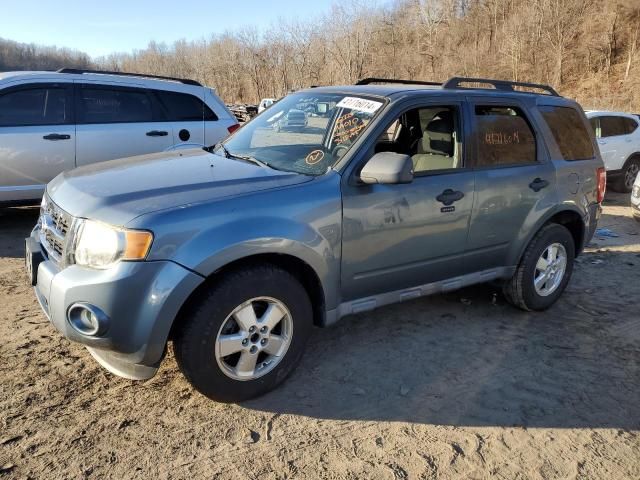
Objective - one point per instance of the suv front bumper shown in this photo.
(139, 299)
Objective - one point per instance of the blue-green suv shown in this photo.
(391, 190)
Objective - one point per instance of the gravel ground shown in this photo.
(453, 386)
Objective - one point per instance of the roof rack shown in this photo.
(368, 81)
(506, 85)
(455, 83)
(186, 81)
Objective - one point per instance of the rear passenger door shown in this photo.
(115, 121)
(187, 115)
(611, 132)
(513, 178)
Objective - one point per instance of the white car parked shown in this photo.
(265, 103)
(55, 121)
(635, 199)
(618, 137)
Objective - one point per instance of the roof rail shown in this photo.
(368, 81)
(506, 85)
(186, 81)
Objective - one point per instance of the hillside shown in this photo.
(587, 49)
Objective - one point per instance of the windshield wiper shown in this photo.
(246, 158)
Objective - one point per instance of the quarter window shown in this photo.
(630, 124)
(105, 105)
(503, 137)
(184, 107)
(33, 106)
(569, 131)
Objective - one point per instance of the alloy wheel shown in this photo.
(254, 338)
(550, 269)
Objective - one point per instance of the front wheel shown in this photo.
(245, 335)
(544, 271)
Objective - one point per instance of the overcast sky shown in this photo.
(105, 26)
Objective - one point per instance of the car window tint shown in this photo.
(104, 105)
(33, 106)
(612, 126)
(630, 124)
(184, 107)
(569, 131)
(503, 137)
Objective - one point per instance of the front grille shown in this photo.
(55, 226)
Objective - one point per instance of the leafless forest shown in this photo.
(587, 49)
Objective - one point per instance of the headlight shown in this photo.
(99, 245)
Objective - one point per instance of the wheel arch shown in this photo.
(568, 217)
(300, 269)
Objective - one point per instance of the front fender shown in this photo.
(303, 222)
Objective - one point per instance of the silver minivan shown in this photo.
(51, 122)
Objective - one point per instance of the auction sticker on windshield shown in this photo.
(360, 104)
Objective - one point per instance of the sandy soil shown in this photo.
(453, 386)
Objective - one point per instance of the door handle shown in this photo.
(157, 133)
(601, 142)
(57, 136)
(538, 184)
(448, 197)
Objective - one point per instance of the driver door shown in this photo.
(406, 235)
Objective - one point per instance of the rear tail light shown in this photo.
(601, 174)
(233, 128)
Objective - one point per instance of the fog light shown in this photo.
(87, 319)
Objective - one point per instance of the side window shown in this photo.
(34, 106)
(503, 137)
(117, 105)
(595, 124)
(612, 126)
(569, 131)
(184, 107)
(430, 135)
(631, 125)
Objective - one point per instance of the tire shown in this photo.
(624, 183)
(198, 343)
(521, 290)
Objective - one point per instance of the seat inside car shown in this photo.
(436, 149)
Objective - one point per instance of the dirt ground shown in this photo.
(453, 386)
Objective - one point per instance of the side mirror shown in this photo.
(389, 168)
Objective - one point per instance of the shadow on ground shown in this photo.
(15, 225)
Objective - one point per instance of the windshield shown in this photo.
(304, 133)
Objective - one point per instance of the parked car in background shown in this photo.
(635, 198)
(265, 103)
(618, 137)
(235, 252)
(292, 120)
(55, 121)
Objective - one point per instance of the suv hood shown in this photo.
(117, 191)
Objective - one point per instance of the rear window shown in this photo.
(569, 131)
(184, 107)
(504, 137)
(121, 105)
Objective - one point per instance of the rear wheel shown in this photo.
(624, 184)
(245, 335)
(544, 271)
